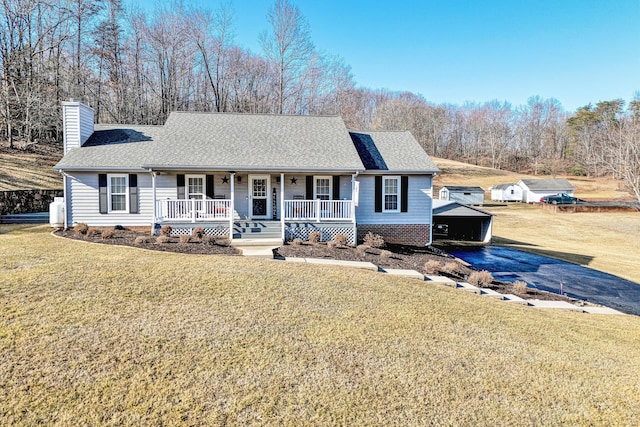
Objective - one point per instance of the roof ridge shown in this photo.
(236, 113)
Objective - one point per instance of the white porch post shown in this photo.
(155, 202)
(282, 205)
(232, 204)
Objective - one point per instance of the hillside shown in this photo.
(457, 173)
(30, 168)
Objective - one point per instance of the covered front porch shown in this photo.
(222, 202)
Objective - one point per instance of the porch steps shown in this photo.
(257, 230)
(256, 242)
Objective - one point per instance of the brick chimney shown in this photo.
(77, 123)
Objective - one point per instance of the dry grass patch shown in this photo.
(186, 339)
(31, 168)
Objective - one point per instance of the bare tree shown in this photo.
(288, 46)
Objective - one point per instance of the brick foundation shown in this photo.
(403, 234)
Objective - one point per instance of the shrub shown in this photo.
(331, 244)
(480, 278)
(315, 237)
(373, 240)
(432, 266)
(141, 240)
(92, 231)
(341, 239)
(385, 254)
(81, 228)
(451, 267)
(163, 239)
(209, 240)
(520, 287)
(108, 233)
(296, 242)
(198, 232)
(185, 239)
(362, 249)
(166, 230)
(223, 241)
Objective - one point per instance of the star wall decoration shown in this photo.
(293, 180)
(225, 180)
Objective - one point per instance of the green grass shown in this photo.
(102, 335)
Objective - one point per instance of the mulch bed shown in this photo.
(392, 256)
(128, 237)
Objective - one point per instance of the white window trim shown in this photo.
(126, 192)
(186, 186)
(384, 193)
(315, 185)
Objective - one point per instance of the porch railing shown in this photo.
(194, 210)
(318, 210)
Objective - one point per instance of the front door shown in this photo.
(259, 206)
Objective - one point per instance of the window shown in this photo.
(118, 185)
(195, 187)
(322, 188)
(391, 193)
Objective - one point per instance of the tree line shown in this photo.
(136, 67)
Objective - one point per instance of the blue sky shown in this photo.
(456, 51)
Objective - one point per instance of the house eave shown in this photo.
(98, 169)
(227, 168)
(398, 172)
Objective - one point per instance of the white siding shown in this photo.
(83, 192)
(419, 205)
(300, 187)
(77, 121)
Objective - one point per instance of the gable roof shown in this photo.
(234, 141)
(472, 189)
(116, 147)
(396, 151)
(502, 186)
(247, 142)
(558, 184)
(451, 208)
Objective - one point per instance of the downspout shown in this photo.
(64, 196)
(430, 242)
(155, 202)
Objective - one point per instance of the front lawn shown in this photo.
(111, 335)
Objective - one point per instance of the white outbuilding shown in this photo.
(506, 193)
(462, 194)
(535, 189)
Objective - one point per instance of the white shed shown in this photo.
(462, 194)
(506, 193)
(535, 189)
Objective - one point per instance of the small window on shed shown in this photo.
(467, 194)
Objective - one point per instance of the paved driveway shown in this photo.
(550, 274)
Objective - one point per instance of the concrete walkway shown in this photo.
(442, 280)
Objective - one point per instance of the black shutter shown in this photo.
(209, 187)
(404, 193)
(336, 188)
(180, 182)
(309, 195)
(378, 193)
(133, 193)
(103, 197)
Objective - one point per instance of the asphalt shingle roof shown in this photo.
(464, 188)
(255, 142)
(396, 151)
(557, 184)
(236, 142)
(113, 147)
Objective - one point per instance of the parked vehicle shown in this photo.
(559, 199)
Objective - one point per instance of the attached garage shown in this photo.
(455, 221)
